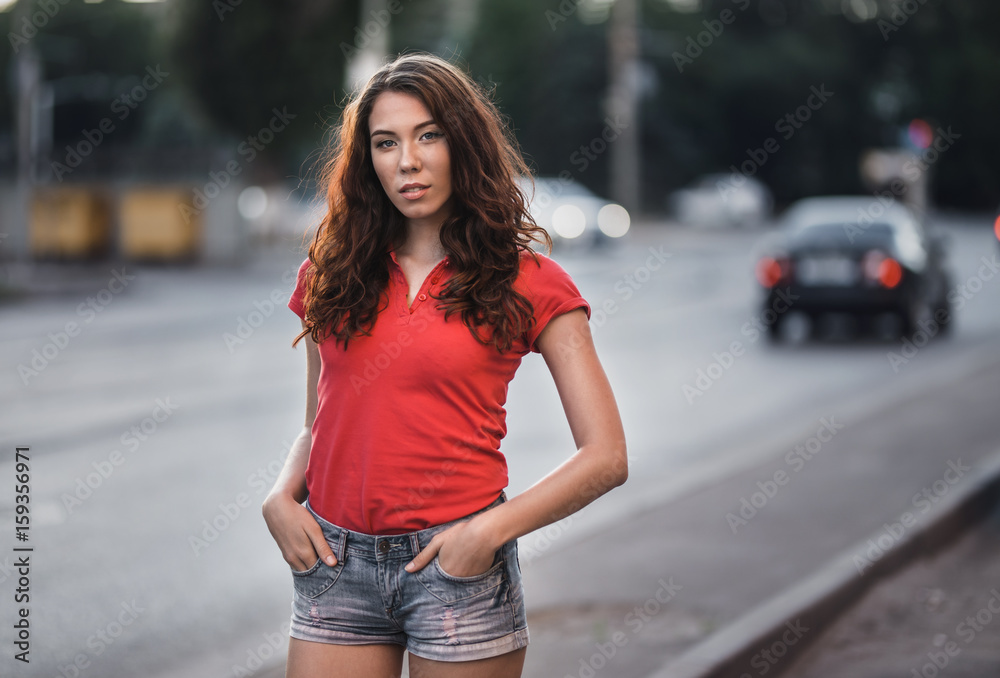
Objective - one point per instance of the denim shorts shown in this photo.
(367, 597)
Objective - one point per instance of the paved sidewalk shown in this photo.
(625, 601)
(939, 616)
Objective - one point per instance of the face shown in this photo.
(411, 157)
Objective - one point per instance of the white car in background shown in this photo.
(723, 200)
(571, 213)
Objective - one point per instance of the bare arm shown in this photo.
(297, 533)
(599, 464)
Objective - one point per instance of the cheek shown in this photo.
(384, 173)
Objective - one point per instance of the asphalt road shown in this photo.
(157, 422)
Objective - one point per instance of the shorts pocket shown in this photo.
(318, 579)
(449, 589)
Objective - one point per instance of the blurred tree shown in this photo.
(744, 66)
(90, 55)
(549, 73)
(245, 61)
(732, 72)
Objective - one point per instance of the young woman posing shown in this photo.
(418, 299)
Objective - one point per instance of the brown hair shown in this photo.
(488, 228)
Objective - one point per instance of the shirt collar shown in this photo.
(392, 254)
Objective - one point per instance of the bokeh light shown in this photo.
(920, 133)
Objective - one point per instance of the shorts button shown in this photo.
(422, 297)
(383, 546)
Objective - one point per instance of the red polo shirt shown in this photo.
(409, 420)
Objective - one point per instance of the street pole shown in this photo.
(623, 103)
(371, 42)
(27, 76)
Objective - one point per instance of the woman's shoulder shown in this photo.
(538, 265)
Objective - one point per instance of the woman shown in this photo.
(418, 300)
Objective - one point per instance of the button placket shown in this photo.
(432, 279)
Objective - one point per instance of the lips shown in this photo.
(413, 191)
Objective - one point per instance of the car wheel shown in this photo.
(774, 333)
(944, 310)
(913, 317)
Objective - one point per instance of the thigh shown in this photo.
(307, 659)
(507, 665)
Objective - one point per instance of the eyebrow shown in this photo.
(388, 133)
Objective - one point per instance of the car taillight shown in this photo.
(771, 271)
(996, 228)
(882, 270)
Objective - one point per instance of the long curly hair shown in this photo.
(488, 229)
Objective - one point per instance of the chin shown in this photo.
(421, 212)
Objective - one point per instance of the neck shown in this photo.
(422, 242)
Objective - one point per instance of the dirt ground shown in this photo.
(938, 617)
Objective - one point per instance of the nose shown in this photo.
(409, 158)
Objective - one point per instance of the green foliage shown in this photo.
(234, 62)
(242, 60)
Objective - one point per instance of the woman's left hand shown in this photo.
(463, 550)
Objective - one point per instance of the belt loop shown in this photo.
(341, 545)
(414, 544)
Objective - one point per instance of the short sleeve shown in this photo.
(551, 291)
(298, 294)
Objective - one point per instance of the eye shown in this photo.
(431, 135)
(384, 143)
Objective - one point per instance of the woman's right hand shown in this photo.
(296, 531)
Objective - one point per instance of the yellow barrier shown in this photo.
(152, 225)
(72, 223)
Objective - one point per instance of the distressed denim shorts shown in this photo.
(367, 597)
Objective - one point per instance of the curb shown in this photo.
(763, 639)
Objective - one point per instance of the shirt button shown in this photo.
(435, 279)
(422, 297)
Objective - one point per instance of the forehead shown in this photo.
(397, 112)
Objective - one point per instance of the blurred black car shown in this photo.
(996, 227)
(863, 256)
